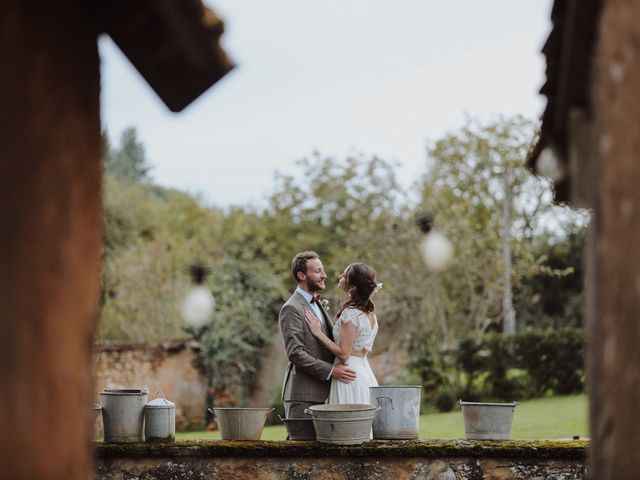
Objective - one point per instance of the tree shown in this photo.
(464, 187)
(554, 297)
(349, 210)
(128, 161)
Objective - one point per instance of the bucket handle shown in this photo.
(388, 398)
(308, 412)
(212, 412)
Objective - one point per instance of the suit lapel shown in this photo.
(302, 302)
(327, 326)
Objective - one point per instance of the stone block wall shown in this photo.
(398, 460)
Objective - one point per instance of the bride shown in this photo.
(354, 333)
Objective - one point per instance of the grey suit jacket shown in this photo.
(310, 363)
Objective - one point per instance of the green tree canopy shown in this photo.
(128, 160)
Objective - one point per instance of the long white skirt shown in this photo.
(356, 391)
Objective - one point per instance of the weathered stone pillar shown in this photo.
(615, 255)
(50, 236)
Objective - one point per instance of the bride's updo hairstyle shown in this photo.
(360, 285)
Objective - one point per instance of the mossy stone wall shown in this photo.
(397, 460)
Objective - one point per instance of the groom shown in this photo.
(307, 379)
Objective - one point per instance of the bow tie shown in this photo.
(315, 299)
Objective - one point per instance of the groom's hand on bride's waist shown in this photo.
(343, 373)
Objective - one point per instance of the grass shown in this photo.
(544, 418)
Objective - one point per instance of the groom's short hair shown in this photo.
(299, 263)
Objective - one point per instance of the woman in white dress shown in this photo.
(354, 332)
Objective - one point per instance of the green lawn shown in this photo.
(555, 417)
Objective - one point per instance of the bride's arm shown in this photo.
(347, 337)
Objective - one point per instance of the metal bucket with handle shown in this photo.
(399, 415)
(342, 424)
(240, 423)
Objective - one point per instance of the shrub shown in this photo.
(529, 364)
(470, 395)
(553, 359)
(469, 360)
(426, 366)
(536, 357)
(498, 360)
(445, 400)
(568, 372)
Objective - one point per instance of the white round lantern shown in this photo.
(436, 251)
(198, 306)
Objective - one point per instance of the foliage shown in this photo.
(530, 364)
(464, 188)
(230, 345)
(445, 400)
(152, 236)
(128, 161)
(347, 210)
(148, 250)
(427, 364)
(469, 361)
(554, 297)
(554, 359)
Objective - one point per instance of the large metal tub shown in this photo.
(123, 414)
(487, 421)
(399, 415)
(342, 424)
(241, 423)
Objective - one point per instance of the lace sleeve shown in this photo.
(349, 315)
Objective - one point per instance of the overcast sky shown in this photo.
(381, 77)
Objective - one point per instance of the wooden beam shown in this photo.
(50, 237)
(174, 44)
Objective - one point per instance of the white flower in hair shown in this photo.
(378, 287)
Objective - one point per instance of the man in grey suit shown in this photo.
(307, 379)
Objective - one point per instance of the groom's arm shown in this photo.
(292, 326)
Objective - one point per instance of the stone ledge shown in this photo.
(531, 449)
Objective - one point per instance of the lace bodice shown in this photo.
(364, 334)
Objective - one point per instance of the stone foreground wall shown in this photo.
(398, 460)
(167, 367)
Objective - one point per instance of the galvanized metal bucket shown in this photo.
(123, 414)
(342, 424)
(487, 421)
(299, 428)
(241, 423)
(160, 420)
(399, 415)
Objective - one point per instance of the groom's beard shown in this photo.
(313, 286)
